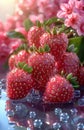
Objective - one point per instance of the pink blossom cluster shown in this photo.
(7, 45)
(34, 10)
(73, 13)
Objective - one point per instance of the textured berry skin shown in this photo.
(81, 75)
(11, 62)
(22, 56)
(43, 65)
(58, 89)
(69, 63)
(18, 84)
(34, 35)
(57, 43)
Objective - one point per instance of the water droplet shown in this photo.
(64, 117)
(34, 96)
(73, 111)
(21, 110)
(28, 128)
(56, 126)
(38, 123)
(10, 113)
(80, 126)
(77, 93)
(58, 111)
(81, 102)
(3, 80)
(32, 114)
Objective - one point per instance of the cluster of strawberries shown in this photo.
(45, 65)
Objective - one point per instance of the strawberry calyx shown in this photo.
(43, 49)
(25, 67)
(72, 79)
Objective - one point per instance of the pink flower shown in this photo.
(63, 1)
(66, 9)
(34, 17)
(10, 24)
(80, 7)
(72, 20)
(80, 27)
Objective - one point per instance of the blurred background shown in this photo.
(6, 8)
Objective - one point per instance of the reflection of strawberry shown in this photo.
(22, 56)
(43, 65)
(57, 90)
(57, 43)
(81, 75)
(69, 63)
(19, 83)
(34, 35)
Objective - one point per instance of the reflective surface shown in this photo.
(34, 115)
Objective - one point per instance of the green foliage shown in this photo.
(79, 44)
(27, 24)
(14, 34)
(25, 67)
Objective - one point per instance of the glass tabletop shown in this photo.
(31, 114)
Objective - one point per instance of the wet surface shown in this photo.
(32, 114)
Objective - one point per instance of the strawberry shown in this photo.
(19, 83)
(69, 63)
(58, 89)
(11, 62)
(81, 75)
(34, 35)
(22, 56)
(57, 42)
(43, 65)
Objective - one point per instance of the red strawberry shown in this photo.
(58, 89)
(81, 75)
(69, 63)
(19, 84)
(22, 56)
(34, 35)
(57, 43)
(11, 62)
(43, 65)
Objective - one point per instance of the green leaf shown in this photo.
(76, 86)
(21, 47)
(14, 34)
(41, 50)
(54, 31)
(28, 69)
(38, 23)
(46, 48)
(69, 76)
(21, 64)
(79, 44)
(51, 21)
(27, 24)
